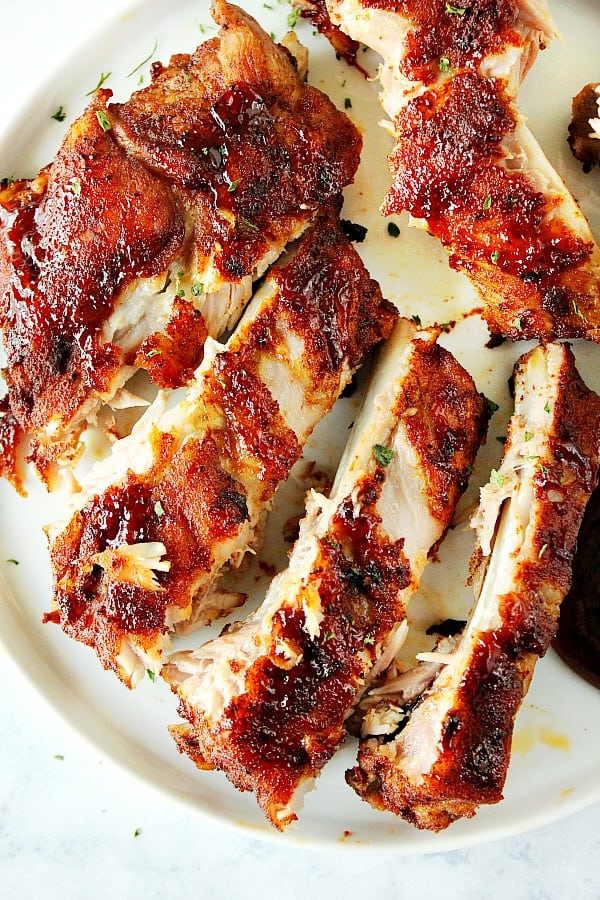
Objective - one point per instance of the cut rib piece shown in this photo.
(148, 229)
(448, 751)
(466, 165)
(186, 491)
(267, 701)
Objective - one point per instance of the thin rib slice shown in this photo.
(466, 166)
(147, 231)
(267, 701)
(157, 520)
(446, 752)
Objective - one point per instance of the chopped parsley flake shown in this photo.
(233, 185)
(487, 203)
(293, 17)
(528, 435)
(444, 64)
(248, 224)
(518, 324)
(103, 120)
(197, 287)
(492, 407)
(103, 77)
(547, 406)
(76, 186)
(60, 114)
(393, 230)
(59, 757)
(144, 61)
(14, 562)
(369, 640)
(416, 319)
(455, 10)
(137, 832)
(383, 455)
(495, 256)
(150, 674)
(496, 478)
(151, 353)
(347, 103)
(159, 509)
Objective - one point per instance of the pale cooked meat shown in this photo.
(185, 492)
(467, 167)
(148, 229)
(267, 701)
(447, 751)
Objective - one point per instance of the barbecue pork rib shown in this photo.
(147, 230)
(267, 701)
(185, 492)
(436, 757)
(466, 165)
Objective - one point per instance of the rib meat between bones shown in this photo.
(267, 701)
(185, 492)
(446, 752)
(147, 230)
(466, 165)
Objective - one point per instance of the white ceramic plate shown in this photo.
(554, 769)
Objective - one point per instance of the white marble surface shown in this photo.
(73, 825)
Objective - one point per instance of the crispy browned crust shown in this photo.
(290, 718)
(474, 748)
(226, 154)
(193, 499)
(74, 238)
(537, 275)
(583, 108)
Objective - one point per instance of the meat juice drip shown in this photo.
(578, 638)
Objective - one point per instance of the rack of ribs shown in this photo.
(267, 701)
(465, 165)
(147, 230)
(155, 522)
(437, 743)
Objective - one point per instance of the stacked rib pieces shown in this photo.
(267, 701)
(466, 165)
(164, 211)
(436, 753)
(147, 230)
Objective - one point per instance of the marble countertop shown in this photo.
(73, 824)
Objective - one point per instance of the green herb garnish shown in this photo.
(150, 674)
(383, 455)
(347, 103)
(492, 407)
(444, 64)
(496, 478)
(159, 509)
(76, 186)
(495, 256)
(144, 61)
(487, 202)
(60, 114)
(103, 120)
(455, 10)
(103, 77)
(233, 185)
(293, 17)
